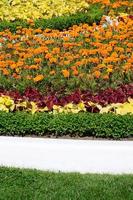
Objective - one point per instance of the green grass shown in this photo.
(16, 184)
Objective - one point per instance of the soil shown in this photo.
(77, 137)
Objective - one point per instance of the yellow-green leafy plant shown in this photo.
(69, 108)
(30, 106)
(116, 108)
(6, 104)
(34, 9)
(119, 108)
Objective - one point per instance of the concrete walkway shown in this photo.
(93, 156)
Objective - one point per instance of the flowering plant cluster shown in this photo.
(83, 57)
(113, 6)
(85, 68)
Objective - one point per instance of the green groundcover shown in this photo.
(16, 184)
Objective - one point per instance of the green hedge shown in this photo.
(60, 23)
(81, 124)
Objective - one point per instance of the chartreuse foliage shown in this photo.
(23, 9)
(81, 124)
(7, 104)
(32, 184)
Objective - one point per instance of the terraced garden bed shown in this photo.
(68, 72)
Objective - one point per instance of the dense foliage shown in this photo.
(81, 124)
(119, 101)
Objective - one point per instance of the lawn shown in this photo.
(17, 184)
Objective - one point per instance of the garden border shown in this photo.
(81, 124)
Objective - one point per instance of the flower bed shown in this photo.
(84, 57)
(85, 69)
(119, 101)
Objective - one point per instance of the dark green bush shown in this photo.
(60, 23)
(81, 124)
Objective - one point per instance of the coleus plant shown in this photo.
(8, 105)
(118, 101)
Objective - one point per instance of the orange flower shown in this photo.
(6, 72)
(9, 45)
(106, 2)
(48, 55)
(97, 74)
(33, 67)
(56, 50)
(38, 30)
(37, 60)
(30, 21)
(52, 72)
(105, 77)
(109, 70)
(53, 60)
(16, 76)
(20, 63)
(66, 73)
(66, 62)
(75, 72)
(13, 66)
(38, 78)
(66, 39)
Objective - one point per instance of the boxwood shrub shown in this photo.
(81, 124)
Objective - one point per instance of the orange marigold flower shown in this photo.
(52, 72)
(33, 67)
(16, 76)
(106, 2)
(37, 60)
(6, 72)
(66, 62)
(105, 77)
(48, 55)
(53, 60)
(20, 63)
(38, 30)
(97, 74)
(73, 67)
(56, 50)
(66, 39)
(65, 73)
(30, 21)
(109, 70)
(75, 72)
(13, 66)
(9, 45)
(38, 78)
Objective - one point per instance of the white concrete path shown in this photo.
(93, 156)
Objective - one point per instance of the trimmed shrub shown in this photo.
(81, 124)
